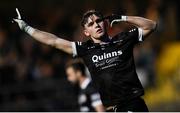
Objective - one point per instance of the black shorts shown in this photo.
(134, 105)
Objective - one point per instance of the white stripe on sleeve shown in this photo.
(73, 44)
(96, 103)
(140, 32)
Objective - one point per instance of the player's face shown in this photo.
(95, 27)
(71, 75)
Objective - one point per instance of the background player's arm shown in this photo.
(146, 25)
(96, 102)
(44, 37)
(99, 108)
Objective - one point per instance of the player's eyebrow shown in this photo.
(99, 20)
(91, 21)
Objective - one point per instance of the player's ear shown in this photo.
(86, 33)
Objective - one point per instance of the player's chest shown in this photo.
(107, 56)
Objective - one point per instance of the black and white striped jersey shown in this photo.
(88, 97)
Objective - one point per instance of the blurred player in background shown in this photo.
(89, 99)
(109, 59)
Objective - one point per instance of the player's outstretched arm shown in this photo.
(44, 37)
(146, 25)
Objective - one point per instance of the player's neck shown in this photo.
(103, 39)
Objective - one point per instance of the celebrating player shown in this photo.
(109, 59)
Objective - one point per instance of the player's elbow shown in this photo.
(151, 26)
(154, 25)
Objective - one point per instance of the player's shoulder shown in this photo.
(125, 33)
(85, 43)
(133, 30)
(119, 36)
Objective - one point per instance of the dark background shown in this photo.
(32, 76)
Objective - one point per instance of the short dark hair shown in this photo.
(77, 65)
(89, 13)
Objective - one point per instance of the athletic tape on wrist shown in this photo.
(29, 30)
(124, 18)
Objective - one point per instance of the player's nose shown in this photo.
(96, 25)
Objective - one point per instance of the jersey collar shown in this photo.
(92, 42)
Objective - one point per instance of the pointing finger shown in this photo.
(19, 16)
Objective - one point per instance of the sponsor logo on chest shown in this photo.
(104, 56)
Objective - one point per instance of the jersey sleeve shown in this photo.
(135, 34)
(94, 96)
(95, 99)
(78, 49)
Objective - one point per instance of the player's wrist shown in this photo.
(28, 29)
(114, 18)
(119, 17)
(23, 25)
(124, 18)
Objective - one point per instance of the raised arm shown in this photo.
(44, 37)
(146, 25)
(52, 40)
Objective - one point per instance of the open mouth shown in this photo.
(99, 31)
